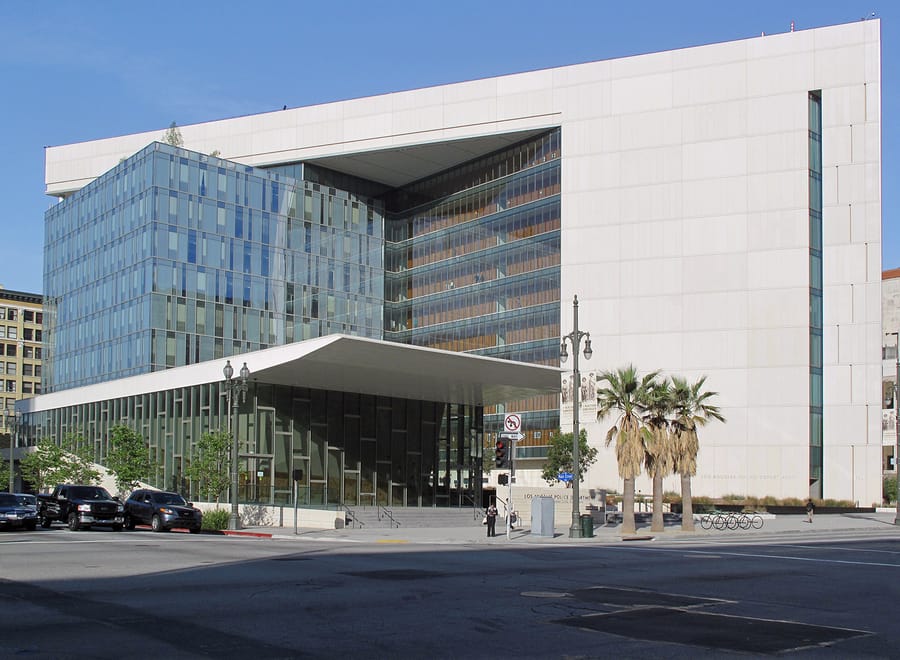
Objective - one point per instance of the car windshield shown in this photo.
(8, 500)
(89, 493)
(27, 500)
(168, 498)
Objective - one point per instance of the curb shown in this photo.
(234, 532)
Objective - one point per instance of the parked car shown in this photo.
(80, 507)
(28, 500)
(14, 515)
(162, 511)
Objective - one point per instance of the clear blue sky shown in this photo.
(76, 71)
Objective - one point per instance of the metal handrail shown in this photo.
(389, 514)
(477, 511)
(351, 515)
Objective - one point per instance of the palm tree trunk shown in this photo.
(628, 526)
(687, 506)
(658, 524)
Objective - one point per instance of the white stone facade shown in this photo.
(685, 233)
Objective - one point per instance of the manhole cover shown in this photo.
(715, 631)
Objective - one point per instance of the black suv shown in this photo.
(162, 511)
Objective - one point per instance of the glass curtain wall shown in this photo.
(174, 257)
(472, 259)
(354, 449)
(815, 295)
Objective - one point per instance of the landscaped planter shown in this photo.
(775, 509)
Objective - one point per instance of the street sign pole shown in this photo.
(512, 425)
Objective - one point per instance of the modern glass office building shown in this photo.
(184, 258)
(716, 210)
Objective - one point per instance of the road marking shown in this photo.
(837, 547)
(756, 556)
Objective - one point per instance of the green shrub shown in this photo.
(671, 497)
(889, 489)
(216, 519)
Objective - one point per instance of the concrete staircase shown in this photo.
(372, 517)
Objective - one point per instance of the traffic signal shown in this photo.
(501, 455)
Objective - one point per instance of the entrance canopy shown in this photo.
(342, 363)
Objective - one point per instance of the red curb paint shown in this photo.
(259, 535)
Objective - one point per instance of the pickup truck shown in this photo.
(80, 507)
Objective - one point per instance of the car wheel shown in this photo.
(73, 522)
(129, 522)
(117, 528)
(156, 524)
(46, 522)
(31, 526)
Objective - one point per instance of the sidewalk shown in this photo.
(875, 523)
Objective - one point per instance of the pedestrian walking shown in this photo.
(492, 520)
(810, 510)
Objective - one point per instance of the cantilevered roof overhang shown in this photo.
(342, 363)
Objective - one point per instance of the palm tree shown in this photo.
(658, 443)
(627, 393)
(692, 410)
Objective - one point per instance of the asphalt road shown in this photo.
(100, 594)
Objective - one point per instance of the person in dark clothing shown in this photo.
(492, 520)
(810, 510)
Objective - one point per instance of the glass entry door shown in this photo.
(256, 484)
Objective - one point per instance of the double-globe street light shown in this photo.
(233, 387)
(574, 338)
(11, 424)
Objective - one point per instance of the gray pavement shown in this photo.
(880, 523)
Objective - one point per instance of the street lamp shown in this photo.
(232, 388)
(896, 336)
(11, 424)
(575, 337)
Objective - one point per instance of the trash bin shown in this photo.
(587, 526)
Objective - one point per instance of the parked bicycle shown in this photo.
(732, 520)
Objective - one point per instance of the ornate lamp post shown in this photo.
(232, 389)
(574, 338)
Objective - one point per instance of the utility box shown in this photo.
(542, 512)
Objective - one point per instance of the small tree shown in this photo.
(41, 467)
(173, 136)
(51, 463)
(559, 456)
(4, 468)
(79, 466)
(128, 458)
(211, 464)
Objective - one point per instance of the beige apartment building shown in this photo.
(21, 323)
